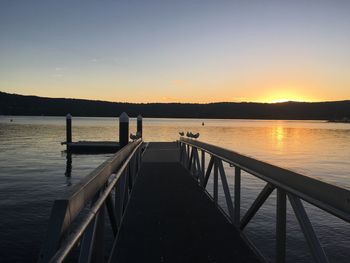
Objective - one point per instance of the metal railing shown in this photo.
(296, 187)
(78, 218)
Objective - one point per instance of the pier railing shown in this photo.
(296, 187)
(78, 219)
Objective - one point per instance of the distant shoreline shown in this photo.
(20, 105)
(340, 121)
(199, 119)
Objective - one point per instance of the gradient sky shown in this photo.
(181, 51)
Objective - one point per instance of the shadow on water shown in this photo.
(68, 171)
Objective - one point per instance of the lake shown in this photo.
(33, 173)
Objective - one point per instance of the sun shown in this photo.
(295, 99)
(280, 96)
(280, 100)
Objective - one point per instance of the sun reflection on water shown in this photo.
(278, 136)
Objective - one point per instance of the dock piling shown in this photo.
(139, 126)
(123, 129)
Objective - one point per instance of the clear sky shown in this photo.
(179, 51)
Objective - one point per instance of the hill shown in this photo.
(14, 104)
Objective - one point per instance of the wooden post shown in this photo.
(68, 129)
(237, 217)
(123, 129)
(215, 191)
(139, 126)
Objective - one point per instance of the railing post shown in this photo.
(184, 155)
(112, 214)
(189, 167)
(215, 181)
(187, 155)
(203, 168)
(123, 129)
(126, 189)
(196, 164)
(88, 239)
(281, 226)
(139, 126)
(237, 216)
(119, 198)
(98, 249)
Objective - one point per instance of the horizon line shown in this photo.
(174, 102)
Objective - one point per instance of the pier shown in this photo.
(155, 197)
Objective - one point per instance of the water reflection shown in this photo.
(68, 171)
(278, 136)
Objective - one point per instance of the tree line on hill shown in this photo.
(14, 104)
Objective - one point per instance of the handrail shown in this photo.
(332, 199)
(97, 185)
(83, 191)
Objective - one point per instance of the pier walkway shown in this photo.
(171, 219)
(155, 198)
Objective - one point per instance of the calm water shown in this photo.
(33, 166)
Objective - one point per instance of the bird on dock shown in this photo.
(182, 133)
(133, 137)
(195, 136)
(191, 135)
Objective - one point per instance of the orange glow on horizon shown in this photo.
(290, 94)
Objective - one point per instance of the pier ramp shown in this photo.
(171, 219)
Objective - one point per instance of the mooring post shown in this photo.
(68, 129)
(139, 126)
(123, 129)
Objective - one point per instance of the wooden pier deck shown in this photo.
(170, 218)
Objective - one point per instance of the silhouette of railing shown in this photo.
(296, 187)
(79, 216)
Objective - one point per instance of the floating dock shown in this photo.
(96, 147)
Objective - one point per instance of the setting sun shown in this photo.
(277, 95)
(285, 100)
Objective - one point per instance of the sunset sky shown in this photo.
(176, 51)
